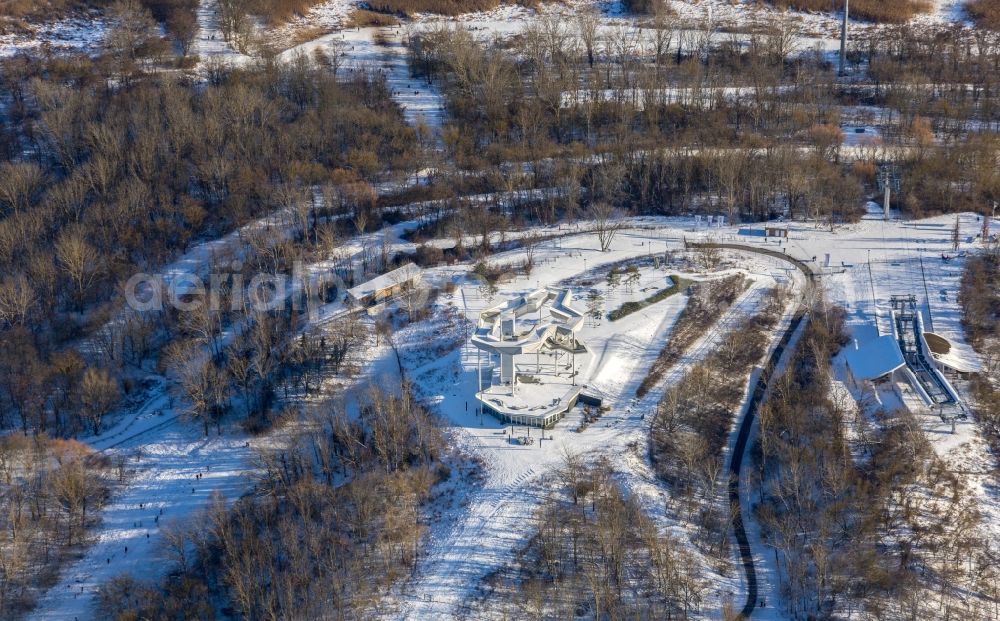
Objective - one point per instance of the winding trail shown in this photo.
(746, 428)
(736, 464)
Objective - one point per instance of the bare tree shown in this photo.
(99, 393)
(663, 35)
(297, 200)
(184, 26)
(607, 222)
(586, 24)
(233, 20)
(530, 243)
(80, 260)
(17, 299)
(132, 26)
(18, 184)
(781, 38)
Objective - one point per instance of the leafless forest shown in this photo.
(127, 161)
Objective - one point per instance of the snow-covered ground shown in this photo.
(174, 476)
(383, 50)
(494, 521)
(74, 34)
(484, 534)
(209, 44)
(328, 15)
(945, 12)
(83, 33)
(470, 541)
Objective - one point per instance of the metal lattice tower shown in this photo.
(843, 39)
(888, 182)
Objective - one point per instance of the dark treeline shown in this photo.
(671, 122)
(53, 492)
(595, 553)
(117, 181)
(885, 527)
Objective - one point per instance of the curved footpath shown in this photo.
(746, 425)
(798, 263)
(736, 463)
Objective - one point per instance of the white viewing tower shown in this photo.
(535, 339)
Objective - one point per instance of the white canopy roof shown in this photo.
(404, 274)
(875, 358)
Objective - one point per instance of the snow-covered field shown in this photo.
(383, 50)
(483, 533)
(869, 262)
(209, 44)
(483, 536)
(174, 474)
(78, 33)
(494, 520)
(85, 32)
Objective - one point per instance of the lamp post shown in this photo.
(887, 181)
(572, 371)
(843, 39)
(986, 224)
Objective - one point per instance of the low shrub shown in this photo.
(361, 18)
(441, 7)
(896, 12)
(628, 308)
(986, 13)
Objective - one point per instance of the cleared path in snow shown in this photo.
(209, 43)
(165, 489)
(383, 50)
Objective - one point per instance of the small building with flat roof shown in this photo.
(876, 359)
(776, 231)
(383, 288)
